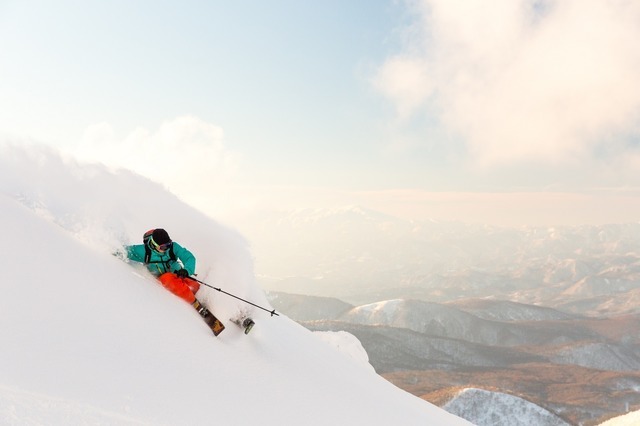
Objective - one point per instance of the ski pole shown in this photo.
(273, 312)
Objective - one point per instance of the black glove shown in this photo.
(182, 273)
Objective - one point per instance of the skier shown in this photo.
(172, 264)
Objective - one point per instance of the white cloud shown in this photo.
(406, 81)
(186, 154)
(518, 80)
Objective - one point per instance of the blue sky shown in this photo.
(516, 112)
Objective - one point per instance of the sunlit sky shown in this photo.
(505, 112)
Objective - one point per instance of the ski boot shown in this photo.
(247, 324)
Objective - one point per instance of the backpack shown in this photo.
(147, 249)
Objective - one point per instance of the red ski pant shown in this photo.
(184, 288)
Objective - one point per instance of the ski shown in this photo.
(214, 323)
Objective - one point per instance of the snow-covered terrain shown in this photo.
(630, 419)
(447, 321)
(579, 368)
(599, 355)
(89, 339)
(495, 408)
(504, 310)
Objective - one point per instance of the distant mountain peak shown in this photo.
(489, 408)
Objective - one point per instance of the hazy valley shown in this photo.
(362, 257)
(547, 315)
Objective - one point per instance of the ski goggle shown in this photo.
(159, 247)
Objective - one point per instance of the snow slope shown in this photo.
(629, 419)
(89, 339)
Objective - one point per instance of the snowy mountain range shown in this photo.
(435, 297)
(90, 339)
(526, 351)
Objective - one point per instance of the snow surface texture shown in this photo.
(348, 344)
(495, 408)
(630, 419)
(90, 339)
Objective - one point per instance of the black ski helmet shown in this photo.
(155, 238)
(160, 236)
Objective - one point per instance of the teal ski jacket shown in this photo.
(161, 263)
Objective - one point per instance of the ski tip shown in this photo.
(217, 327)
